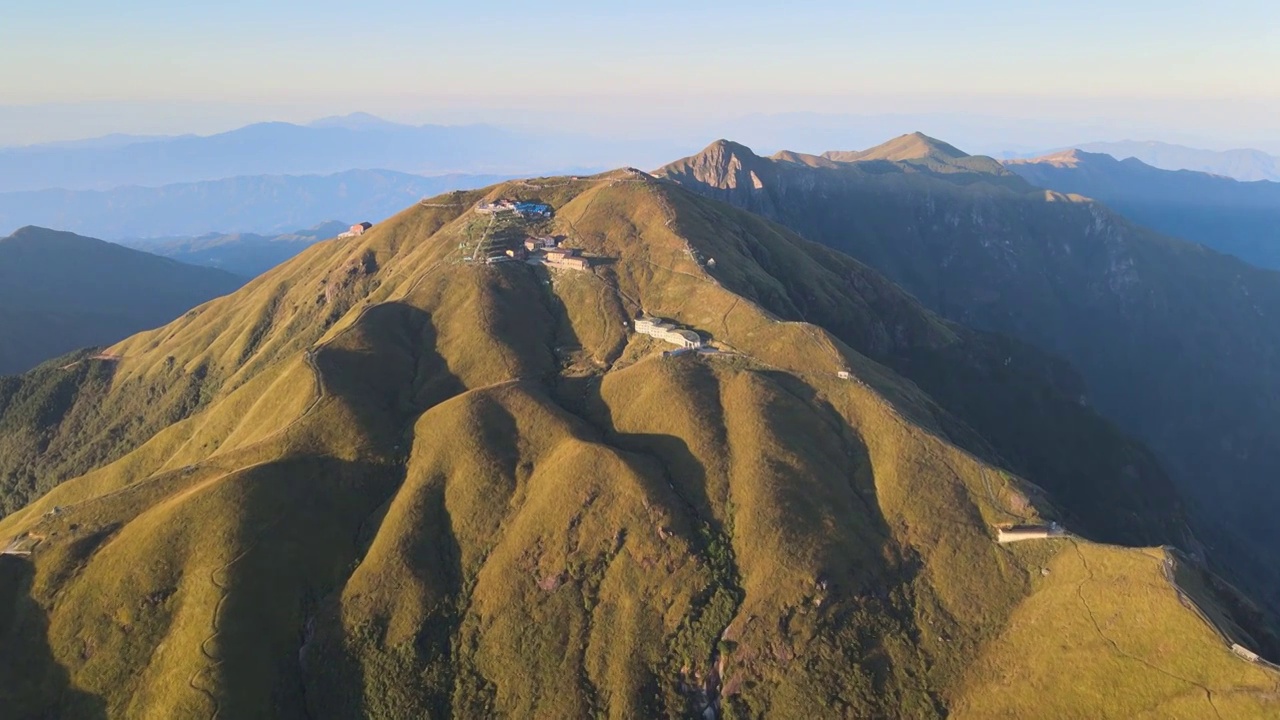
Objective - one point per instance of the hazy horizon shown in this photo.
(766, 132)
(1149, 70)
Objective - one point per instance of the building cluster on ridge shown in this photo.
(543, 250)
(535, 249)
(523, 209)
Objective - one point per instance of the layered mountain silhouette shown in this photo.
(332, 145)
(272, 204)
(60, 292)
(1240, 218)
(245, 254)
(1176, 343)
(273, 148)
(387, 480)
(1243, 164)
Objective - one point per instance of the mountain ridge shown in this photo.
(1064, 273)
(280, 148)
(1239, 218)
(417, 484)
(1242, 164)
(912, 146)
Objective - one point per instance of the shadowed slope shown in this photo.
(1240, 218)
(1173, 340)
(60, 292)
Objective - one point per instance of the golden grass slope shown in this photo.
(1104, 635)
(428, 488)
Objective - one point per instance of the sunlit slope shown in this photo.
(1104, 635)
(76, 413)
(419, 487)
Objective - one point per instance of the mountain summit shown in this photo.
(422, 478)
(913, 146)
(1064, 158)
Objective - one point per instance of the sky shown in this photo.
(1179, 68)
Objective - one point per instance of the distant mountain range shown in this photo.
(1178, 344)
(269, 204)
(60, 292)
(1240, 218)
(327, 146)
(245, 254)
(1243, 164)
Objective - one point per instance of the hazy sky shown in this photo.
(163, 66)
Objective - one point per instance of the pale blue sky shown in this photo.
(294, 59)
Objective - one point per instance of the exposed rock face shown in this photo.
(732, 173)
(1177, 343)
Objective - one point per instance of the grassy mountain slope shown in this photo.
(60, 291)
(421, 488)
(1173, 340)
(1240, 218)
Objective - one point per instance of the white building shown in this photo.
(1015, 533)
(668, 332)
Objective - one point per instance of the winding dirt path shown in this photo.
(1116, 647)
(219, 580)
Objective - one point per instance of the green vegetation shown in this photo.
(419, 487)
(65, 418)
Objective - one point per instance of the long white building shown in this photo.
(669, 332)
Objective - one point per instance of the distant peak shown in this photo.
(1069, 158)
(34, 236)
(354, 121)
(30, 230)
(35, 232)
(798, 158)
(912, 146)
(728, 147)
